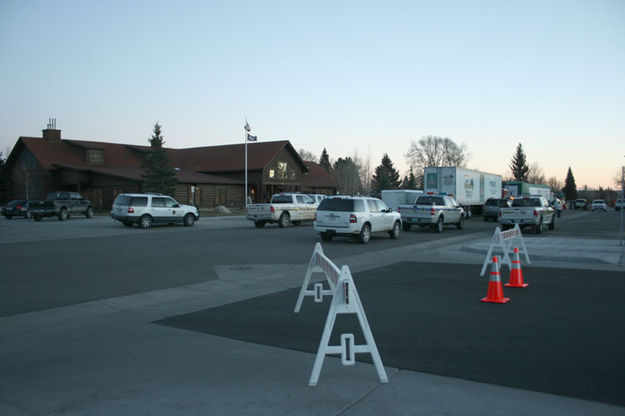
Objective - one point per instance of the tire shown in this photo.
(188, 220)
(365, 234)
(145, 222)
(438, 228)
(406, 226)
(9, 217)
(460, 223)
(62, 214)
(539, 228)
(326, 236)
(284, 220)
(552, 224)
(89, 212)
(394, 233)
(259, 224)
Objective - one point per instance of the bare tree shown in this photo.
(307, 156)
(27, 169)
(436, 151)
(555, 184)
(536, 174)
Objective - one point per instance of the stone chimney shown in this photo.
(51, 134)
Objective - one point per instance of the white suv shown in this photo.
(355, 216)
(145, 209)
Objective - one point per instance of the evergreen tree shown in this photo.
(4, 180)
(410, 181)
(324, 161)
(519, 165)
(570, 189)
(158, 176)
(385, 176)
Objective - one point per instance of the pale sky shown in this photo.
(351, 76)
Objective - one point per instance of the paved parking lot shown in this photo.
(80, 300)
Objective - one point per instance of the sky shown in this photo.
(355, 77)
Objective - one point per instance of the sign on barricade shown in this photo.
(506, 241)
(345, 300)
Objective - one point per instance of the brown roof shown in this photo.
(318, 177)
(231, 158)
(134, 173)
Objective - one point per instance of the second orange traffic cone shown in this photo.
(495, 289)
(516, 274)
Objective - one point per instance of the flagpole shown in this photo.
(245, 139)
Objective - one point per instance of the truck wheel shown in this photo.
(89, 213)
(188, 220)
(145, 221)
(406, 226)
(552, 224)
(326, 236)
(460, 223)
(394, 233)
(259, 224)
(284, 220)
(62, 214)
(365, 234)
(539, 228)
(439, 225)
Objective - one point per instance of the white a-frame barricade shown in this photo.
(345, 300)
(319, 263)
(505, 241)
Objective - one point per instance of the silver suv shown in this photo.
(355, 216)
(146, 209)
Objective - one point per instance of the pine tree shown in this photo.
(4, 180)
(410, 181)
(158, 176)
(324, 161)
(519, 165)
(385, 176)
(570, 189)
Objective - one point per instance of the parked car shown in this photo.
(619, 204)
(580, 203)
(358, 217)
(599, 205)
(17, 208)
(317, 197)
(147, 209)
(491, 208)
(61, 204)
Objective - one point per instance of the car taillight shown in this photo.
(353, 219)
(19, 207)
(499, 213)
(432, 211)
(315, 217)
(398, 209)
(273, 209)
(131, 210)
(535, 213)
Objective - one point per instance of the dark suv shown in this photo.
(491, 208)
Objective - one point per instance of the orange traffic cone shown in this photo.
(495, 290)
(516, 274)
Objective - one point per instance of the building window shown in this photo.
(95, 157)
(292, 175)
(282, 168)
(272, 173)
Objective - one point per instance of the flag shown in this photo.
(251, 138)
(247, 126)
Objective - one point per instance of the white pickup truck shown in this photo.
(432, 211)
(533, 211)
(282, 209)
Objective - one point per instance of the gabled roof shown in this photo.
(318, 177)
(231, 158)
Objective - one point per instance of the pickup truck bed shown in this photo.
(282, 209)
(432, 211)
(534, 212)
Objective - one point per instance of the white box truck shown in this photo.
(396, 197)
(470, 188)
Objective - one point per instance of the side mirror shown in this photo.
(176, 205)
